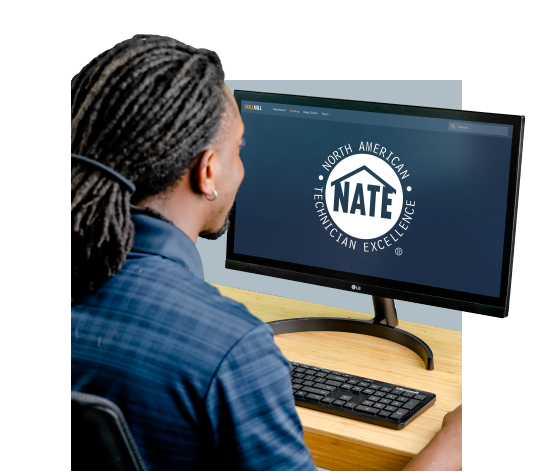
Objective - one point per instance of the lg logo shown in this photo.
(355, 287)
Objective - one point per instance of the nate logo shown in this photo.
(341, 195)
(362, 202)
(364, 196)
(252, 107)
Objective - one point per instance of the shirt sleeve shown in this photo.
(251, 409)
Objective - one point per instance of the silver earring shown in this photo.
(211, 199)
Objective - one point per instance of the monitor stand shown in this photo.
(383, 325)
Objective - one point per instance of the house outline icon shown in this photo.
(360, 169)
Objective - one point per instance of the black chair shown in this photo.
(100, 437)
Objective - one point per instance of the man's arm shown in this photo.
(251, 409)
(444, 451)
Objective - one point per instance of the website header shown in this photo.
(377, 119)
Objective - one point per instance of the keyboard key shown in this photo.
(317, 369)
(352, 381)
(321, 374)
(399, 414)
(298, 376)
(409, 394)
(310, 371)
(397, 391)
(385, 414)
(397, 404)
(341, 374)
(367, 409)
(346, 386)
(385, 401)
(310, 377)
(300, 393)
(363, 384)
(385, 389)
(411, 404)
(339, 402)
(375, 386)
(300, 369)
(391, 397)
(333, 383)
(319, 380)
(297, 386)
(350, 405)
(336, 377)
(327, 400)
(324, 387)
(345, 398)
(390, 408)
(379, 405)
(297, 381)
(357, 389)
(403, 399)
(318, 391)
(419, 397)
(380, 394)
(369, 391)
(373, 398)
(325, 371)
(308, 383)
(313, 396)
(368, 403)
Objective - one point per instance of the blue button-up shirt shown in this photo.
(199, 379)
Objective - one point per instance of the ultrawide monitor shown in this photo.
(404, 202)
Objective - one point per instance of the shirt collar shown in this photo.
(155, 236)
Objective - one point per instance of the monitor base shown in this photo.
(383, 325)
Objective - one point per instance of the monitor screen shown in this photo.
(397, 201)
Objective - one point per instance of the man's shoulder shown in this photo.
(169, 302)
(181, 290)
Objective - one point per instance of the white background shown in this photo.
(486, 44)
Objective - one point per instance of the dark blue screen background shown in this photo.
(455, 240)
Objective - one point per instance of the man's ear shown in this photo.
(203, 173)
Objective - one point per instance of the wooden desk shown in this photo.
(338, 443)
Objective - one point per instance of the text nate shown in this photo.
(341, 199)
(341, 195)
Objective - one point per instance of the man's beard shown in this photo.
(221, 232)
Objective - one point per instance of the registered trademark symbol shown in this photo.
(321, 177)
(409, 188)
(399, 251)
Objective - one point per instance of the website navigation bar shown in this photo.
(376, 119)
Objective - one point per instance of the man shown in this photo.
(199, 379)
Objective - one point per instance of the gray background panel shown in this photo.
(431, 93)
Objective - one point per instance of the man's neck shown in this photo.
(185, 216)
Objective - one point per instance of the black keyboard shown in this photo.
(358, 398)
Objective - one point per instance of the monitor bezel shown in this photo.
(491, 306)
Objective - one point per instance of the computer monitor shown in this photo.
(395, 201)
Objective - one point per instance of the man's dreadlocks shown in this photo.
(145, 108)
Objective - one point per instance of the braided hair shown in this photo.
(146, 108)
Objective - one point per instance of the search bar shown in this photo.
(469, 127)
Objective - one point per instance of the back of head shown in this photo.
(146, 108)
